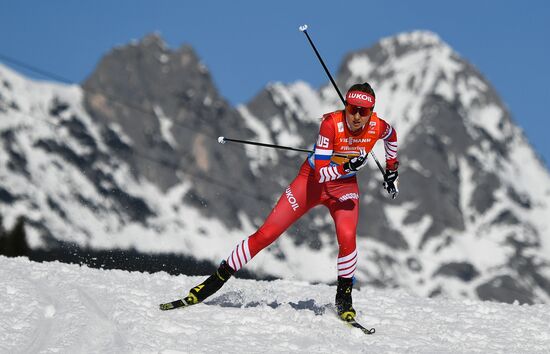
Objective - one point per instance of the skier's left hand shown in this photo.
(391, 182)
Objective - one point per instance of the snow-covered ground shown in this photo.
(55, 307)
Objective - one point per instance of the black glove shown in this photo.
(390, 183)
(356, 163)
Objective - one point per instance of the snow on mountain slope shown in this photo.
(54, 307)
(59, 174)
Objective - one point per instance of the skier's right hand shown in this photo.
(356, 163)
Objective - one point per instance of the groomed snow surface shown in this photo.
(61, 308)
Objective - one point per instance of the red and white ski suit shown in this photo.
(322, 180)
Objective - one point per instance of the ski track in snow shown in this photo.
(56, 307)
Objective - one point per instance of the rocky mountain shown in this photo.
(165, 104)
(130, 160)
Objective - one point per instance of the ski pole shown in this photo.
(223, 140)
(303, 28)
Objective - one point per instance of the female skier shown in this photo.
(326, 177)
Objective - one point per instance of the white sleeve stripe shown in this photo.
(389, 133)
(334, 170)
(328, 177)
(322, 152)
(333, 176)
(390, 149)
(390, 143)
(322, 173)
(348, 257)
(329, 173)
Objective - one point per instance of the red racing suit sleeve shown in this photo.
(324, 172)
(389, 135)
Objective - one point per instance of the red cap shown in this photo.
(360, 98)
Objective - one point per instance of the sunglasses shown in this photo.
(363, 111)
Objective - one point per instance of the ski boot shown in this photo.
(212, 284)
(343, 301)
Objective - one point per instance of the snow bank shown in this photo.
(55, 307)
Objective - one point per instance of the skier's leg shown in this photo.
(295, 201)
(344, 209)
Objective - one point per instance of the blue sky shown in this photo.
(247, 44)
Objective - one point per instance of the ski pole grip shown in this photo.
(221, 140)
(303, 28)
